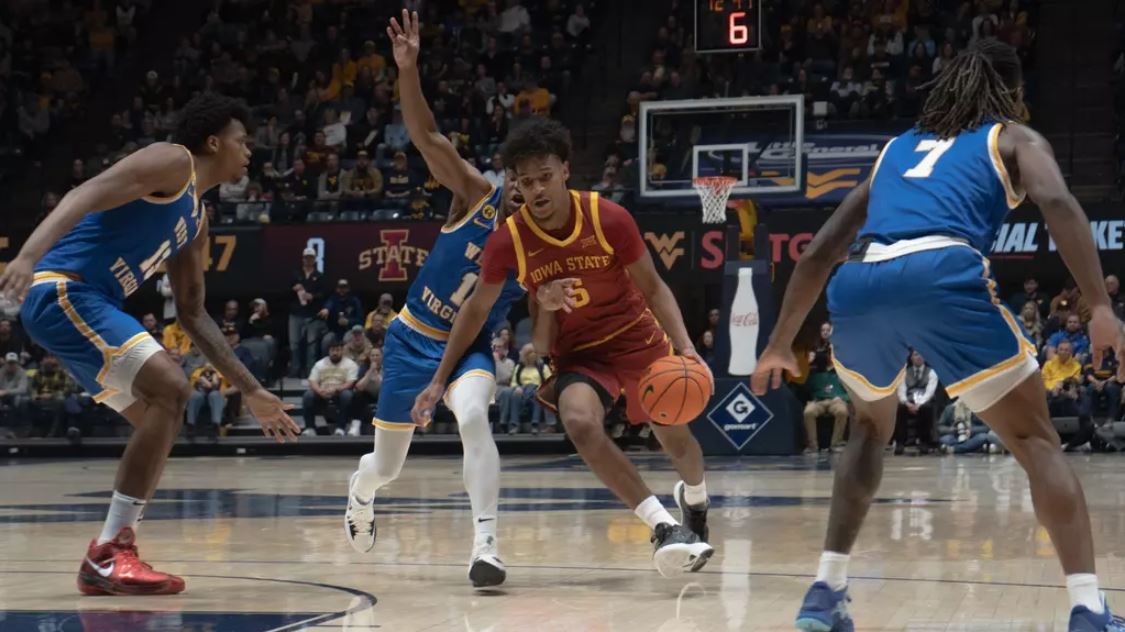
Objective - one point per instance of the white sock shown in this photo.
(124, 511)
(653, 513)
(384, 465)
(696, 495)
(1083, 590)
(481, 469)
(833, 570)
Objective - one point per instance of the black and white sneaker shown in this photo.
(359, 520)
(486, 570)
(694, 517)
(678, 550)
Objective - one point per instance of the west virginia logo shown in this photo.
(667, 246)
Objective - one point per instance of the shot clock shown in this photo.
(727, 26)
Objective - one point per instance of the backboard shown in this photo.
(753, 139)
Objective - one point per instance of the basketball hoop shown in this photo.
(713, 193)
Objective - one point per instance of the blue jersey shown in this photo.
(452, 270)
(117, 250)
(956, 187)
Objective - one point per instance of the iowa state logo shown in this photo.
(395, 256)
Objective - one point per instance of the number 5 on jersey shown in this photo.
(934, 149)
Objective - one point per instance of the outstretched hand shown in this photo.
(773, 363)
(270, 412)
(404, 38)
(16, 279)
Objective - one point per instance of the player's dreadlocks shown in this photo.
(980, 84)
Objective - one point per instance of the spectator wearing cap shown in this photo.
(330, 384)
(14, 389)
(363, 182)
(356, 345)
(1072, 333)
(399, 182)
(380, 318)
(342, 311)
(305, 329)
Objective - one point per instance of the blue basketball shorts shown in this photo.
(935, 295)
(410, 359)
(101, 345)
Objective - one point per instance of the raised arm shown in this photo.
(185, 271)
(158, 168)
(441, 157)
(1069, 227)
(805, 285)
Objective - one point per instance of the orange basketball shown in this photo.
(675, 390)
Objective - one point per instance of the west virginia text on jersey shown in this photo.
(117, 250)
(451, 272)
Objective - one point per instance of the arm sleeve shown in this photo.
(499, 256)
(620, 230)
(901, 391)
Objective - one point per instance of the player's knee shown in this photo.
(583, 427)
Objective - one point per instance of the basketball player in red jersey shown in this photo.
(604, 333)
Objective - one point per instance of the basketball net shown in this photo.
(714, 191)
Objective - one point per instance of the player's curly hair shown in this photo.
(207, 115)
(536, 138)
(980, 84)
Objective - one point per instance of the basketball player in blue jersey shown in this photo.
(105, 239)
(917, 277)
(416, 338)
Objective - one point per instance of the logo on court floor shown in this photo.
(740, 416)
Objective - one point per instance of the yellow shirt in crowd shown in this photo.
(1055, 371)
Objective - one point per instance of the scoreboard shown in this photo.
(728, 26)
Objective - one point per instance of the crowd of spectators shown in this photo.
(1085, 399)
(50, 54)
(321, 81)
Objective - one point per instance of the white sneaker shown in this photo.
(359, 521)
(353, 428)
(308, 432)
(339, 432)
(485, 569)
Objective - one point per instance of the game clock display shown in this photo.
(727, 26)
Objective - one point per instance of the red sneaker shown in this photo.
(114, 569)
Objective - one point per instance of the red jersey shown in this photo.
(600, 240)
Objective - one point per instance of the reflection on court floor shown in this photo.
(951, 545)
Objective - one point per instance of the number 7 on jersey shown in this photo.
(934, 149)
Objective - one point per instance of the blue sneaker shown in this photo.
(825, 610)
(1082, 620)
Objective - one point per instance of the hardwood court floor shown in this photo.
(952, 545)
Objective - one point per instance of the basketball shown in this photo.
(675, 390)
